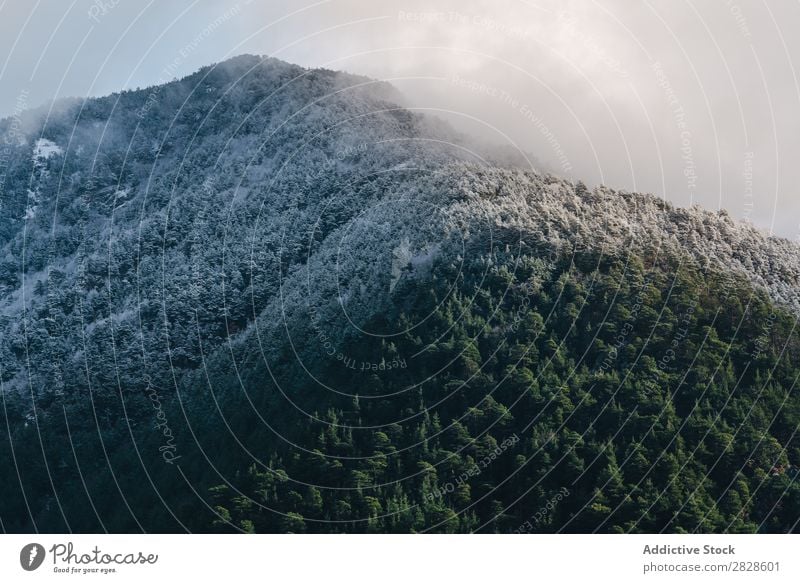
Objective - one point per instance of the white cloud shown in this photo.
(724, 89)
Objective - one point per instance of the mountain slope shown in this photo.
(261, 276)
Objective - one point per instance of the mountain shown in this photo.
(267, 298)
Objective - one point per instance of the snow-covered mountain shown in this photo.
(256, 209)
(254, 188)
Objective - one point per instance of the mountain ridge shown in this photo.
(226, 245)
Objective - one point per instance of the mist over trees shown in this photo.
(264, 298)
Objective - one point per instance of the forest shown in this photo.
(578, 393)
(264, 298)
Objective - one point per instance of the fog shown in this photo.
(698, 103)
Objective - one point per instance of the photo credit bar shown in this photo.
(400, 558)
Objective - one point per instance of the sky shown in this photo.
(695, 102)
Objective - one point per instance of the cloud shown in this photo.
(694, 102)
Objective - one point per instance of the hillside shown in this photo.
(269, 298)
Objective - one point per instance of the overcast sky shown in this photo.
(697, 102)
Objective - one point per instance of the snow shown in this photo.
(43, 149)
(401, 257)
(33, 204)
(620, 222)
